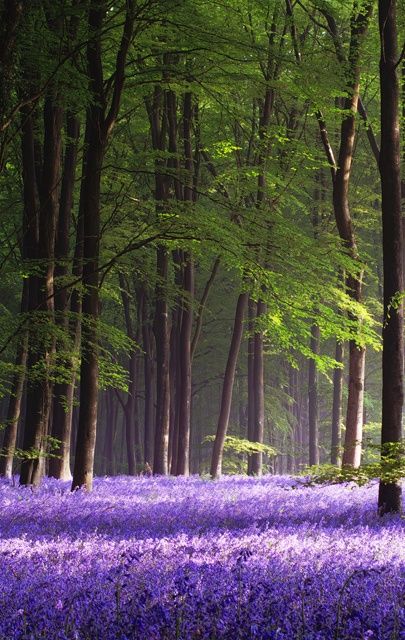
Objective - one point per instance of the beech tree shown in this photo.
(389, 497)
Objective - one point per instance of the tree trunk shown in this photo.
(111, 410)
(15, 400)
(313, 410)
(252, 313)
(227, 388)
(59, 466)
(341, 178)
(335, 456)
(183, 453)
(130, 405)
(90, 212)
(41, 291)
(258, 390)
(148, 362)
(354, 415)
(99, 125)
(389, 498)
(162, 340)
(175, 389)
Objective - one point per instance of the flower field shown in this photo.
(166, 559)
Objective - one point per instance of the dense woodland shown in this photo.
(201, 244)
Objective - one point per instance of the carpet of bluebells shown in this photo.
(165, 559)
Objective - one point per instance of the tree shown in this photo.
(389, 497)
(99, 124)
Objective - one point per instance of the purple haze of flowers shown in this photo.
(185, 559)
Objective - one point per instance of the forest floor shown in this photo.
(166, 559)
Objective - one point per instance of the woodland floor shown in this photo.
(239, 558)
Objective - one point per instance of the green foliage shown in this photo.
(243, 446)
(49, 445)
(390, 468)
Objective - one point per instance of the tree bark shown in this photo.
(148, 363)
(175, 390)
(335, 456)
(227, 388)
(389, 497)
(258, 390)
(251, 413)
(99, 125)
(130, 405)
(183, 453)
(59, 466)
(41, 292)
(162, 340)
(313, 402)
(90, 212)
(354, 416)
(15, 400)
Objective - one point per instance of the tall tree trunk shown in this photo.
(130, 405)
(389, 497)
(15, 400)
(227, 388)
(111, 410)
(59, 466)
(313, 410)
(162, 340)
(354, 415)
(148, 363)
(90, 212)
(41, 294)
(130, 409)
(335, 456)
(251, 413)
(175, 389)
(183, 454)
(258, 390)
(99, 125)
(341, 178)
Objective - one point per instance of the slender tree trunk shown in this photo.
(354, 415)
(229, 377)
(59, 466)
(175, 389)
(258, 390)
(162, 339)
(313, 410)
(130, 405)
(147, 339)
(335, 456)
(15, 400)
(341, 173)
(183, 454)
(89, 205)
(111, 409)
(389, 498)
(294, 409)
(99, 125)
(185, 353)
(41, 294)
(251, 413)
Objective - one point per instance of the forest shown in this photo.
(202, 255)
